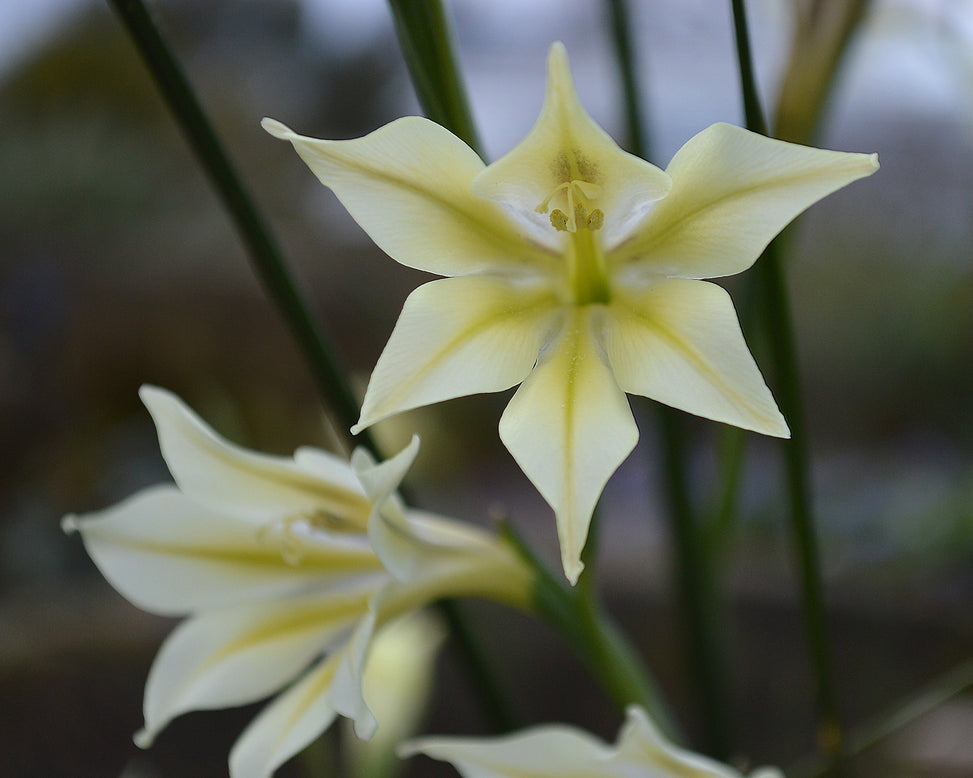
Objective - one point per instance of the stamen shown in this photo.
(289, 542)
(559, 220)
(575, 215)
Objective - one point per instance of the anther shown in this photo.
(595, 219)
(559, 220)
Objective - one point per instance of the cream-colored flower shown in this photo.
(273, 561)
(565, 752)
(575, 268)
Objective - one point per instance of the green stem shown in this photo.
(697, 590)
(260, 243)
(427, 44)
(271, 268)
(902, 714)
(695, 574)
(621, 26)
(769, 275)
(576, 614)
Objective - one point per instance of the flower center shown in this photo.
(587, 276)
(290, 543)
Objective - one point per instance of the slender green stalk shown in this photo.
(621, 27)
(577, 615)
(260, 243)
(695, 573)
(427, 44)
(272, 269)
(876, 729)
(697, 591)
(769, 275)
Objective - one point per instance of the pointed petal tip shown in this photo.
(356, 428)
(276, 128)
(143, 738)
(70, 524)
(572, 570)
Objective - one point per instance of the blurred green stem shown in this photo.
(696, 579)
(577, 615)
(272, 270)
(769, 275)
(426, 38)
(260, 243)
(621, 26)
(898, 717)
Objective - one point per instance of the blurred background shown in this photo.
(119, 267)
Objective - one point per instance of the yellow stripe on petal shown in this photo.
(458, 336)
(236, 655)
(287, 725)
(169, 555)
(247, 484)
(407, 185)
(732, 192)
(678, 341)
(569, 427)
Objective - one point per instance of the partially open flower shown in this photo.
(271, 560)
(577, 269)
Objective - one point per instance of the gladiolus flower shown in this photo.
(575, 269)
(286, 569)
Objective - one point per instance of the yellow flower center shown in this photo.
(587, 276)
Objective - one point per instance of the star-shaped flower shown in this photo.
(566, 752)
(286, 569)
(575, 268)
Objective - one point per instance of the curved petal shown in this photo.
(458, 336)
(169, 555)
(299, 715)
(237, 655)
(678, 341)
(558, 750)
(641, 745)
(569, 427)
(407, 185)
(413, 545)
(287, 725)
(246, 484)
(732, 192)
(567, 145)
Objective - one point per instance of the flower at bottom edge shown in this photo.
(271, 561)
(559, 751)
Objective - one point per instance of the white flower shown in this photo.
(271, 560)
(566, 752)
(575, 268)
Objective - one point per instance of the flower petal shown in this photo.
(732, 192)
(640, 745)
(569, 427)
(170, 555)
(567, 145)
(458, 336)
(246, 484)
(407, 185)
(678, 341)
(287, 725)
(236, 655)
(556, 751)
